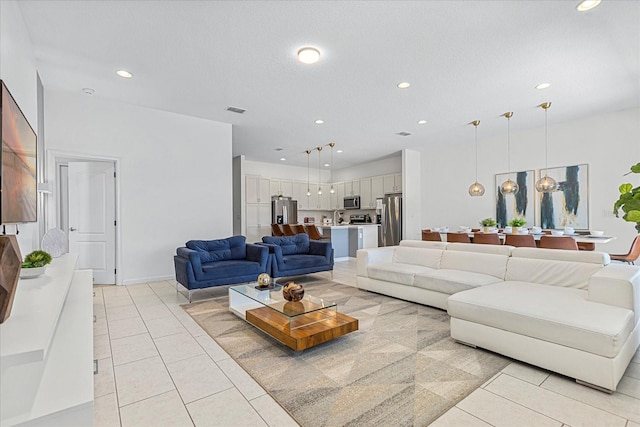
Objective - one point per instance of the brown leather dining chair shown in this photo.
(632, 256)
(458, 237)
(432, 236)
(276, 230)
(520, 240)
(299, 229)
(288, 231)
(486, 238)
(313, 232)
(558, 242)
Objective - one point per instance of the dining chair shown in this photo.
(288, 231)
(299, 229)
(586, 246)
(520, 240)
(486, 238)
(630, 257)
(458, 237)
(276, 230)
(432, 236)
(313, 232)
(558, 242)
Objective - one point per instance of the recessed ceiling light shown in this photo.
(404, 85)
(585, 5)
(543, 85)
(88, 90)
(308, 55)
(339, 151)
(319, 122)
(124, 73)
(282, 159)
(422, 122)
(326, 165)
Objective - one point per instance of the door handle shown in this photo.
(73, 229)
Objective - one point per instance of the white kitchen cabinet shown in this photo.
(340, 194)
(393, 183)
(377, 189)
(258, 221)
(257, 190)
(333, 198)
(324, 199)
(365, 193)
(352, 188)
(281, 188)
(300, 195)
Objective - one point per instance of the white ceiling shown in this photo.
(465, 60)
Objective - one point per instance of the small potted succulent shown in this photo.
(629, 200)
(516, 223)
(487, 224)
(34, 264)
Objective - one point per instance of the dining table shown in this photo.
(579, 237)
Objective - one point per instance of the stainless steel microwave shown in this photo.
(352, 202)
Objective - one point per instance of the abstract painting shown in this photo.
(519, 205)
(569, 204)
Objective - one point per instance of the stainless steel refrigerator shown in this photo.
(284, 210)
(391, 220)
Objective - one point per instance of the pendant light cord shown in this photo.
(509, 146)
(546, 152)
(476, 138)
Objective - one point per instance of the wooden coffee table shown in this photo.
(298, 325)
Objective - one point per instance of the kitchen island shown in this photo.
(347, 239)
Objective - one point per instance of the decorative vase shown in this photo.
(485, 229)
(293, 292)
(264, 281)
(515, 230)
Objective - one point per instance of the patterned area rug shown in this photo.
(401, 368)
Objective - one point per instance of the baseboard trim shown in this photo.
(147, 280)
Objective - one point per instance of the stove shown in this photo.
(360, 219)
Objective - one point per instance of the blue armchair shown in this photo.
(295, 255)
(206, 263)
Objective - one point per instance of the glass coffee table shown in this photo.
(299, 325)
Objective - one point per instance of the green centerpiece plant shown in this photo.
(36, 259)
(517, 222)
(629, 201)
(487, 223)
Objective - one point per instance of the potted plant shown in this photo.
(34, 264)
(516, 223)
(629, 201)
(487, 224)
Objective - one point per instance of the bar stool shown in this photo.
(288, 231)
(276, 230)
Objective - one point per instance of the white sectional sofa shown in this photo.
(571, 312)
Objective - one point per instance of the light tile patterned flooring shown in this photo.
(157, 367)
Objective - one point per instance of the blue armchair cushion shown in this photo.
(231, 248)
(290, 245)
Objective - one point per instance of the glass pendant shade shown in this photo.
(332, 190)
(509, 187)
(476, 189)
(308, 169)
(546, 184)
(308, 192)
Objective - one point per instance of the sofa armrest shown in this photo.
(367, 257)
(617, 285)
(258, 253)
(320, 248)
(192, 256)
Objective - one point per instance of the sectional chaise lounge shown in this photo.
(571, 312)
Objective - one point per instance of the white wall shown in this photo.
(379, 167)
(175, 174)
(411, 194)
(18, 71)
(608, 143)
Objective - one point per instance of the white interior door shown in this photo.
(92, 228)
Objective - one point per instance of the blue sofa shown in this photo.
(206, 263)
(295, 255)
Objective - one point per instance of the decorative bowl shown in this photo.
(557, 232)
(523, 231)
(31, 273)
(597, 233)
(293, 292)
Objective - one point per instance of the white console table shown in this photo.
(46, 349)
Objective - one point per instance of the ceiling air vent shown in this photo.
(403, 133)
(236, 110)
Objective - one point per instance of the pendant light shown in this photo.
(308, 186)
(319, 187)
(476, 189)
(508, 187)
(546, 184)
(331, 144)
